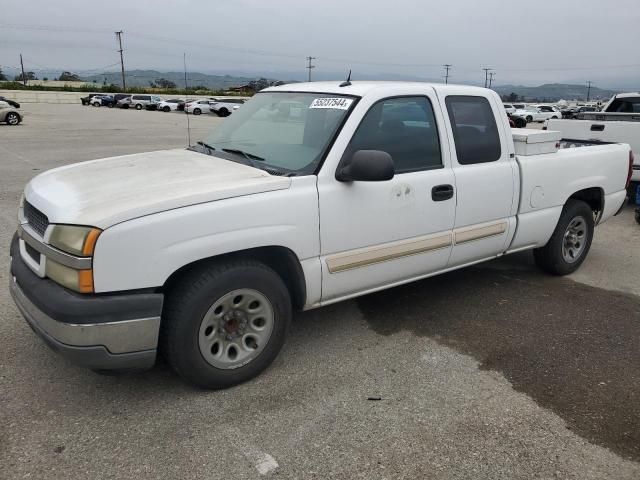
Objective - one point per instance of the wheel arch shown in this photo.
(592, 196)
(281, 259)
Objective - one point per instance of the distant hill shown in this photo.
(555, 91)
(141, 78)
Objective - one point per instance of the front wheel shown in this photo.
(225, 323)
(197, 111)
(571, 240)
(166, 109)
(138, 106)
(12, 118)
(529, 119)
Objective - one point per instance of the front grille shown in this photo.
(36, 219)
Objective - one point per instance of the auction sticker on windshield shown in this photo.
(339, 103)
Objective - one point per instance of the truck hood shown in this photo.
(104, 192)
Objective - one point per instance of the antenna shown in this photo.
(186, 99)
(347, 82)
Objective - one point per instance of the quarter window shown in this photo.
(474, 129)
(403, 127)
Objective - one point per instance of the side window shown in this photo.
(626, 105)
(403, 127)
(474, 129)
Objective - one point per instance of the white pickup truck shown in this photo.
(309, 194)
(619, 121)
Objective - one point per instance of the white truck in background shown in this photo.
(618, 122)
(310, 194)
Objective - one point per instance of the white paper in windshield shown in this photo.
(337, 103)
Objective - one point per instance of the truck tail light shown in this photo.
(630, 169)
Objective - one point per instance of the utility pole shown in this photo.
(491, 75)
(309, 66)
(24, 78)
(447, 67)
(486, 76)
(119, 37)
(588, 90)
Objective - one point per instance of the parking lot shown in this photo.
(497, 371)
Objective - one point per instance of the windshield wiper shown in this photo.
(207, 146)
(248, 155)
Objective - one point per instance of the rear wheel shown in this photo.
(197, 111)
(138, 106)
(571, 240)
(529, 119)
(12, 118)
(166, 109)
(223, 112)
(225, 323)
(96, 104)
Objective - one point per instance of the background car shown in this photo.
(516, 121)
(13, 103)
(509, 108)
(225, 106)
(124, 102)
(140, 101)
(536, 114)
(171, 104)
(103, 100)
(197, 107)
(9, 114)
(87, 100)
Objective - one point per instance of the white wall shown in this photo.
(33, 96)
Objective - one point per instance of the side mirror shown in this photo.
(367, 166)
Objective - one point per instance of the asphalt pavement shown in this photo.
(493, 372)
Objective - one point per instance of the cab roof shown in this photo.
(360, 88)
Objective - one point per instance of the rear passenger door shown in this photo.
(486, 177)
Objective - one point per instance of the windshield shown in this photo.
(288, 131)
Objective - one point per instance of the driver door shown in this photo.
(376, 234)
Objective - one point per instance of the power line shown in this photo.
(447, 67)
(309, 66)
(75, 29)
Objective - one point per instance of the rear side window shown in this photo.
(474, 129)
(625, 105)
(403, 127)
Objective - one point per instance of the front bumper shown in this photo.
(101, 332)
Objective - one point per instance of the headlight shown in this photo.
(80, 241)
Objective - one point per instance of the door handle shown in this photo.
(597, 128)
(440, 193)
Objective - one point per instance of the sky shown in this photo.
(526, 42)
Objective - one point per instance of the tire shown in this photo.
(637, 215)
(520, 122)
(554, 117)
(166, 109)
(529, 119)
(197, 111)
(192, 326)
(96, 104)
(138, 106)
(223, 112)
(125, 106)
(12, 118)
(110, 105)
(555, 256)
